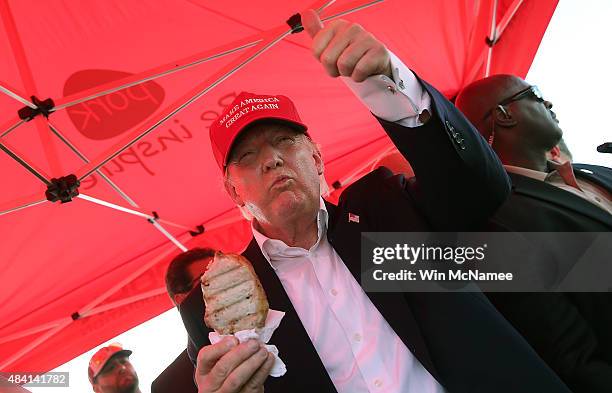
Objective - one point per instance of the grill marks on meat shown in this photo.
(233, 295)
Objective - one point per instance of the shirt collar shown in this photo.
(272, 247)
(526, 172)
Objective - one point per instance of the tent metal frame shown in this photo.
(76, 151)
(11, 128)
(11, 93)
(495, 34)
(64, 322)
(253, 46)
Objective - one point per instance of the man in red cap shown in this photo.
(306, 253)
(110, 371)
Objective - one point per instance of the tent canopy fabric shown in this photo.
(121, 94)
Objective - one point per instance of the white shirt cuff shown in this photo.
(400, 101)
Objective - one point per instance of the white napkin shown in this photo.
(262, 335)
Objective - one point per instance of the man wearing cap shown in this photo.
(306, 253)
(110, 371)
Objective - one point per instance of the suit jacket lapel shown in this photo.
(345, 237)
(551, 194)
(596, 174)
(291, 338)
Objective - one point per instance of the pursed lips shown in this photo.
(279, 180)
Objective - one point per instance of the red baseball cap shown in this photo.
(100, 358)
(246, 109)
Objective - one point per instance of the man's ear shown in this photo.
(316, 154)
(231, 190)
(503, 117)
(554, 154)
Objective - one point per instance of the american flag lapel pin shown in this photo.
(353, 218)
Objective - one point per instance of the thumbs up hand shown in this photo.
(346, 49)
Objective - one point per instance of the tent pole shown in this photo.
(23, 351)
(500, 30)
(67, 322)
(172, 67)
(97, 310)
(233, 67)
(21, 162)
(349, 10)
(167, 234)
(110, 306)
(126, 301)
(154, 261)
(130, 211)
(83, 158)
(114, 206)
(87, 308)
(14, 209)
(157, 75)
(222, 223)
(492, 38)
(27, 78)
(503, 23)
(269, 39)
(24, 333)
(21, 201)
(11, 128)
(17, 97)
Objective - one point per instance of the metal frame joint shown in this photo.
(295, 22)
(63, 189)
(42, 108)
(199, 230)
(155, 217)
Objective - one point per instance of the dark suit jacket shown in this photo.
(177, 377)
(460, 338)
(571, 331)
(537, 206)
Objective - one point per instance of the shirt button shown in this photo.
(334, 292)
(401, 84)
(357, 337)
(598, 199)
(378, 383)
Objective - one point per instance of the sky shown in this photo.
(571, 69)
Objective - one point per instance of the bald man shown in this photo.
(572, 332)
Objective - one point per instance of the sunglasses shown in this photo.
(531, 91)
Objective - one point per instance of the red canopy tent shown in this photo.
(120, 94)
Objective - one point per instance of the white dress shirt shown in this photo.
(400, 100)
(358, 348)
